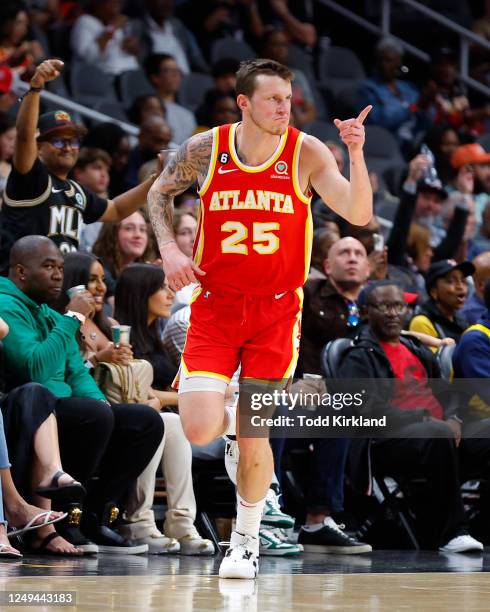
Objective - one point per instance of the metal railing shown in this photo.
(84, 111)
(466, 37)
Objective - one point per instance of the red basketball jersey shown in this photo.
(255, 228)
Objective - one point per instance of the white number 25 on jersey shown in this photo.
(265, 241)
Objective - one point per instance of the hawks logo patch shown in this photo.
(62, 116)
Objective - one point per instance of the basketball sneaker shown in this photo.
(241, 560)
(330, 538)
(273, 516)
(232, 454)
(273, 545)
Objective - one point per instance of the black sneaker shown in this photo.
(331, 539)
(108, 540)
(69, 528)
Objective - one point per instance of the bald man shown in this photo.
(329, 309)
(114, 441)
(474, 307)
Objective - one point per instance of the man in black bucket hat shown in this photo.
(39, 197)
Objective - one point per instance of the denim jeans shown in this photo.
(4, 463)
(326, 476)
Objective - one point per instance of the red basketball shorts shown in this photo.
(259, 333)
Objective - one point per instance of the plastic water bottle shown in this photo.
(431, 172)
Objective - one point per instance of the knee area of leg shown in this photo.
(102, 419)
(196, 435)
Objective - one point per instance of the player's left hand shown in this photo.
(352, 132)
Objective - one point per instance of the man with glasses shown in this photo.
(39, 197)
(423, 436)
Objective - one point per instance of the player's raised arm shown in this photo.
(352, 199)
(188, 165)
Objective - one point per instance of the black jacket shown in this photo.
(444, 327)
(366, 360)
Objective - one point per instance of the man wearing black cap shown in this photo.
(39, 198)
(447, 289)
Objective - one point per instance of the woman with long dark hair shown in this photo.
(144, 315)
(86, 269)
(154, 301)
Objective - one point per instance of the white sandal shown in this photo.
(30, 525)
(8, 552)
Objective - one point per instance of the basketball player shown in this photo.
(251, 257)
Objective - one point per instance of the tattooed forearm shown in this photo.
(188, 165)
(161, 211)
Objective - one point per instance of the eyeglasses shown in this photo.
(353, 317)
(384, 308)
(60, 143)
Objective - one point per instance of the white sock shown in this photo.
(312, 527)
(248, 516)
(230, 411)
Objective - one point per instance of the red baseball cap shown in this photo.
(6, 79)
(469, 154)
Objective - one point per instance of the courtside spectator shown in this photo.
(154, 302)
(159, 31)
(475, 307)
(447, 288)
(18, 48)
(323, 238)
(115, 441)
(121, 244)
(394, 101)
(155, 135)
(426, 434)
(92, 172)
(7, 96)
(330, 305)
(103, 37)
(275, 45)
(39, 198)
(165, 75)
(114, 140)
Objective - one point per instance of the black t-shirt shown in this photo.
(40, 203)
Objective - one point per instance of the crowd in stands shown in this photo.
(412, 283)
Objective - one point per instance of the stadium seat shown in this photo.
(444, 357)
(113, 109)
(484, 140)
(231, 48)
(301, 59)
(193, 89)
(346, 99)
(381, 150)
(133, 83)
(89, 85)
(322, 130)
(338, 67)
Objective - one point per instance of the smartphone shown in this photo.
(379, 242)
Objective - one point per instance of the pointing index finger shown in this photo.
(364, 113)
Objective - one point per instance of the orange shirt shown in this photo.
(255, 227)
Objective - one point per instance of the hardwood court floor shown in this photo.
(384, 581)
